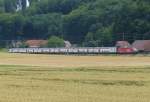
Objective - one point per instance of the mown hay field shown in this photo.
(58, 78)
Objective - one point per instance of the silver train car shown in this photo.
(79, 50)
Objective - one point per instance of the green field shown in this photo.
(51, 78)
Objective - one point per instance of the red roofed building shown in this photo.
(36, 43)
(123, 44)
(142, 45)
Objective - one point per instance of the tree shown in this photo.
(87, 22)
(54, 41)
(10, 5)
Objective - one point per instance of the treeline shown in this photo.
(83, 22)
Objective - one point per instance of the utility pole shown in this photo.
(123, 36)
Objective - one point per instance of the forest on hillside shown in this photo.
(83, 22)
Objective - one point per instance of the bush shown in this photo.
(54, 41)
(23, 45)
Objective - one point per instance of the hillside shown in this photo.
(84, 22)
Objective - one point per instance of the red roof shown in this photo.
(142, 45)
(123, 44)
(36, 43)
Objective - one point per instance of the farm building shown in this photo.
(123, 44)
(36, 43)
(67, 44)
(41, 43)
(142, 45)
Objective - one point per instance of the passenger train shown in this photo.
(78, 50)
